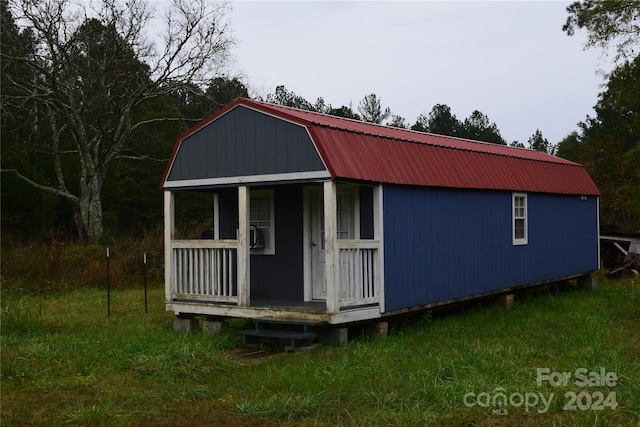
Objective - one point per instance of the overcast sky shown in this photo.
(509, 59)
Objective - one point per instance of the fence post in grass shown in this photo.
(108, 287)
(145, 282)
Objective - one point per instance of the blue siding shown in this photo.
(280, 276)
(443, 244)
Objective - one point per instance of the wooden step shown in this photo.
(269, 324)
(295, 338)
(269, 333)
(275, 320)
(297, 332)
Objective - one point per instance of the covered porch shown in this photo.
(311, 252)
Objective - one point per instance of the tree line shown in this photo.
(91, 109)
(439, 120)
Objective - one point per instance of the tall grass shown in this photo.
(64, 362)
(46, 266)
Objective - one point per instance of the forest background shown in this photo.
(91, 109)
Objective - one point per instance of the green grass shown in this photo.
(65, 363)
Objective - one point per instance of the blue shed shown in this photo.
(325, 219)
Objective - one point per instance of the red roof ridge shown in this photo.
(336, 121)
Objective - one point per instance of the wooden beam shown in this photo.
(330, 245)
(169, 234)
(244, 254)
(378, 234)
(623, 250)
(306, 244)
(616, 239)
(216, 217)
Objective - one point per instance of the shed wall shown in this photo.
(280, 276)
(245, 142)
(443, 244)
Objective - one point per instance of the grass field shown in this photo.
(65, 363)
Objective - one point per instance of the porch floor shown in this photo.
(319, 306)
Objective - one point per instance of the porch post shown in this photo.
(378, 234)
(169, 234)
(331, 245)
(306, 243)
(244, 255)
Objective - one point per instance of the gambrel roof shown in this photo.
(253, 141)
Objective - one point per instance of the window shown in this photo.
(343, 215)
(520, 232)
(262, 222)
(347, 213)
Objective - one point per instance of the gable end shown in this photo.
(243, 143)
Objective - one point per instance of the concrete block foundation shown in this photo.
(588, 282)
(507, 301)
(377, 329)
(184, 323)
(214, 326)
(335, 336)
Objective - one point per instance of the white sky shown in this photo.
(509, 59)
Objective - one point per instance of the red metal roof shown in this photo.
(358, 150)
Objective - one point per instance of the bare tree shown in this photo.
(94, 65)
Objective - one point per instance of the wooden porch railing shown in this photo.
(357, 272)
(205, 270)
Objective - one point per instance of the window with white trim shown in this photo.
(347, 213)
(344, 215)
(262, 222)
(519, 222)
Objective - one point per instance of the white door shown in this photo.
(319, 284)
